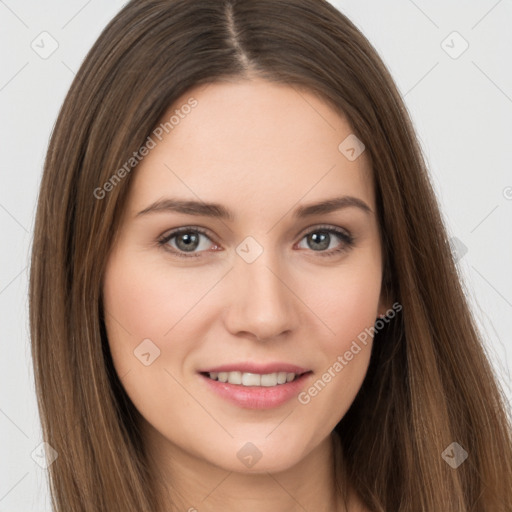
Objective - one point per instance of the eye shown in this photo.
(184, 241)
(191, 241)
(321, 238)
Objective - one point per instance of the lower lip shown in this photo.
(257, 397)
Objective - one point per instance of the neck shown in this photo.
(194, 485)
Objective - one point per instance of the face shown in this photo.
(224, 271)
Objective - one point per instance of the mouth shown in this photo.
(251, 386)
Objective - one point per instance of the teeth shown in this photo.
(253, 379)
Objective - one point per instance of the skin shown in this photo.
(260, 149)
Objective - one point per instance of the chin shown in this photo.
(259, 455)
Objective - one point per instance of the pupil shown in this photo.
(321, 239)
(187, 242)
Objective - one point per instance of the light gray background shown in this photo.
(461, 107)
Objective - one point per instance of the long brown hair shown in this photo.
(429, 383)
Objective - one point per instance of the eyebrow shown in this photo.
(216, 210)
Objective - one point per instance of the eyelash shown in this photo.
(347, 239)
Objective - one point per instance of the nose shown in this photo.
(261, 305)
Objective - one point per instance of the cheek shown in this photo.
(144, 298)
(350, 315)
(346, 301)
(142, 301)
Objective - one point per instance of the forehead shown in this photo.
(252, 142)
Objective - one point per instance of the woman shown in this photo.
(242, 295)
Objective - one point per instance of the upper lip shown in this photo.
(263, 369)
